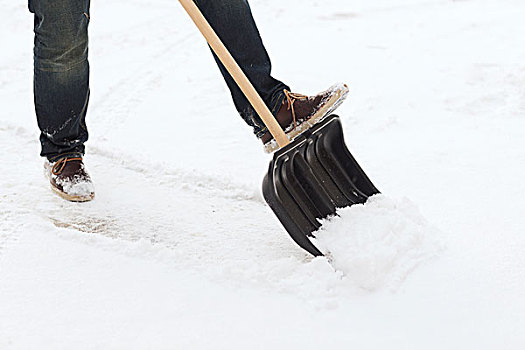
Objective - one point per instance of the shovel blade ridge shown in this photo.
(311, 177)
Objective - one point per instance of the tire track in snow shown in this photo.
(138, 84)
(191, 181)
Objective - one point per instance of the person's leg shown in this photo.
(234, 24)
(61, 89)
(61, 75)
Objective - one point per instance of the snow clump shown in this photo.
(378, 244)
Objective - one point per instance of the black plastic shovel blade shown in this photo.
(313, 176)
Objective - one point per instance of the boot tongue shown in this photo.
(67, 169)
(73, 167)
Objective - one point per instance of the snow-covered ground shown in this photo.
(179, 250)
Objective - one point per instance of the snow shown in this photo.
(179, 250)
(379, 243)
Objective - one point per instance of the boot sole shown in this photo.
(72, 198)
(331, 105)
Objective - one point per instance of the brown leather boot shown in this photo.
(299, 112)
(69, 179)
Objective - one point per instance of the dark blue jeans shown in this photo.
(61, 68)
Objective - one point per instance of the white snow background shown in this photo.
(179, 250)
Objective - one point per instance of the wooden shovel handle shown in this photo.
(236, 72)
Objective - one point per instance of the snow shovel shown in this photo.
(310, 177)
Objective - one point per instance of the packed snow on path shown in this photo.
(179, 250)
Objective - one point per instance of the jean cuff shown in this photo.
(56, 158)
(275, 105)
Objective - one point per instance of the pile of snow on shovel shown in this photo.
(376, 245)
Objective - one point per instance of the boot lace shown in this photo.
(291, 98)
(59, 166)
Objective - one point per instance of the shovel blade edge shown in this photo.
(311, 177)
